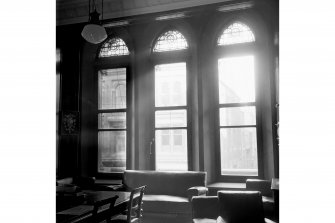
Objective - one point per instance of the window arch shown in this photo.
(114, 47)
(236, 33)
(170, 41)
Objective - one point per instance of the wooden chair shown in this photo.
(101, 214)
(134, 210)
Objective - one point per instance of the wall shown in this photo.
(68, 40)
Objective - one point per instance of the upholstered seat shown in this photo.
(166, 204)
(168, 193)
(229, 207)
(204, 220)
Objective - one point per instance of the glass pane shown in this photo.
(236, 79)
(236, 33)
(114, 47)
(238, 116)
(238, 151)
(112, 88)
(171, 149)
(170, 84)
(112, 151)
(169, 41)
(112, 120)
(172, 118)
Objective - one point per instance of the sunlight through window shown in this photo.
(236, 79)
(238, 134)
(114, 47)
(236, 33)
(171, 122)
(170, 41)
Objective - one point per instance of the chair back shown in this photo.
(102, 210)
(134, 212)
(205, 207)
(263, 186)
(241, 206)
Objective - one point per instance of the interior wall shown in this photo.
(79, 76)
(68, 41)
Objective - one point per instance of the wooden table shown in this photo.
(83, 212)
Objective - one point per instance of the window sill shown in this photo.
(213, 188)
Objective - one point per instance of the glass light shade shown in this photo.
(94, 33)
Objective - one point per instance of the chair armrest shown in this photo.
(220, 220)
(196, 191)
(205, 207)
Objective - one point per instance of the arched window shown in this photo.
(171, 104)
(114, 47)
(170, 41)
(236, 33)
(237, 103)
(112, 108)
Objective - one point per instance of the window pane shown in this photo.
(171, 149)
(112, 151)
(170, 84)
(115, 120)
(238, 116)
(113, 47)
(112, 88)
(238, 151)
(236, 79)
(236, 33)
(172, 118)
(169, 41)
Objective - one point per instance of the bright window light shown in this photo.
(170, 41)
(236, 33)
(236, 79)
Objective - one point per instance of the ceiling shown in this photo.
(76, 11)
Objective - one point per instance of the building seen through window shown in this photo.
(171, 124)
(112, 120)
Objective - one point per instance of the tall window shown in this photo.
(112, 110)
(237, 104)
(171, 106)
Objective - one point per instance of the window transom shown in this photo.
(114, 47)
(170, 41)
(236, 33)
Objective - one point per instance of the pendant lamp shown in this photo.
(93, 32)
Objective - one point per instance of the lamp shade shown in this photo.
(94, 33)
